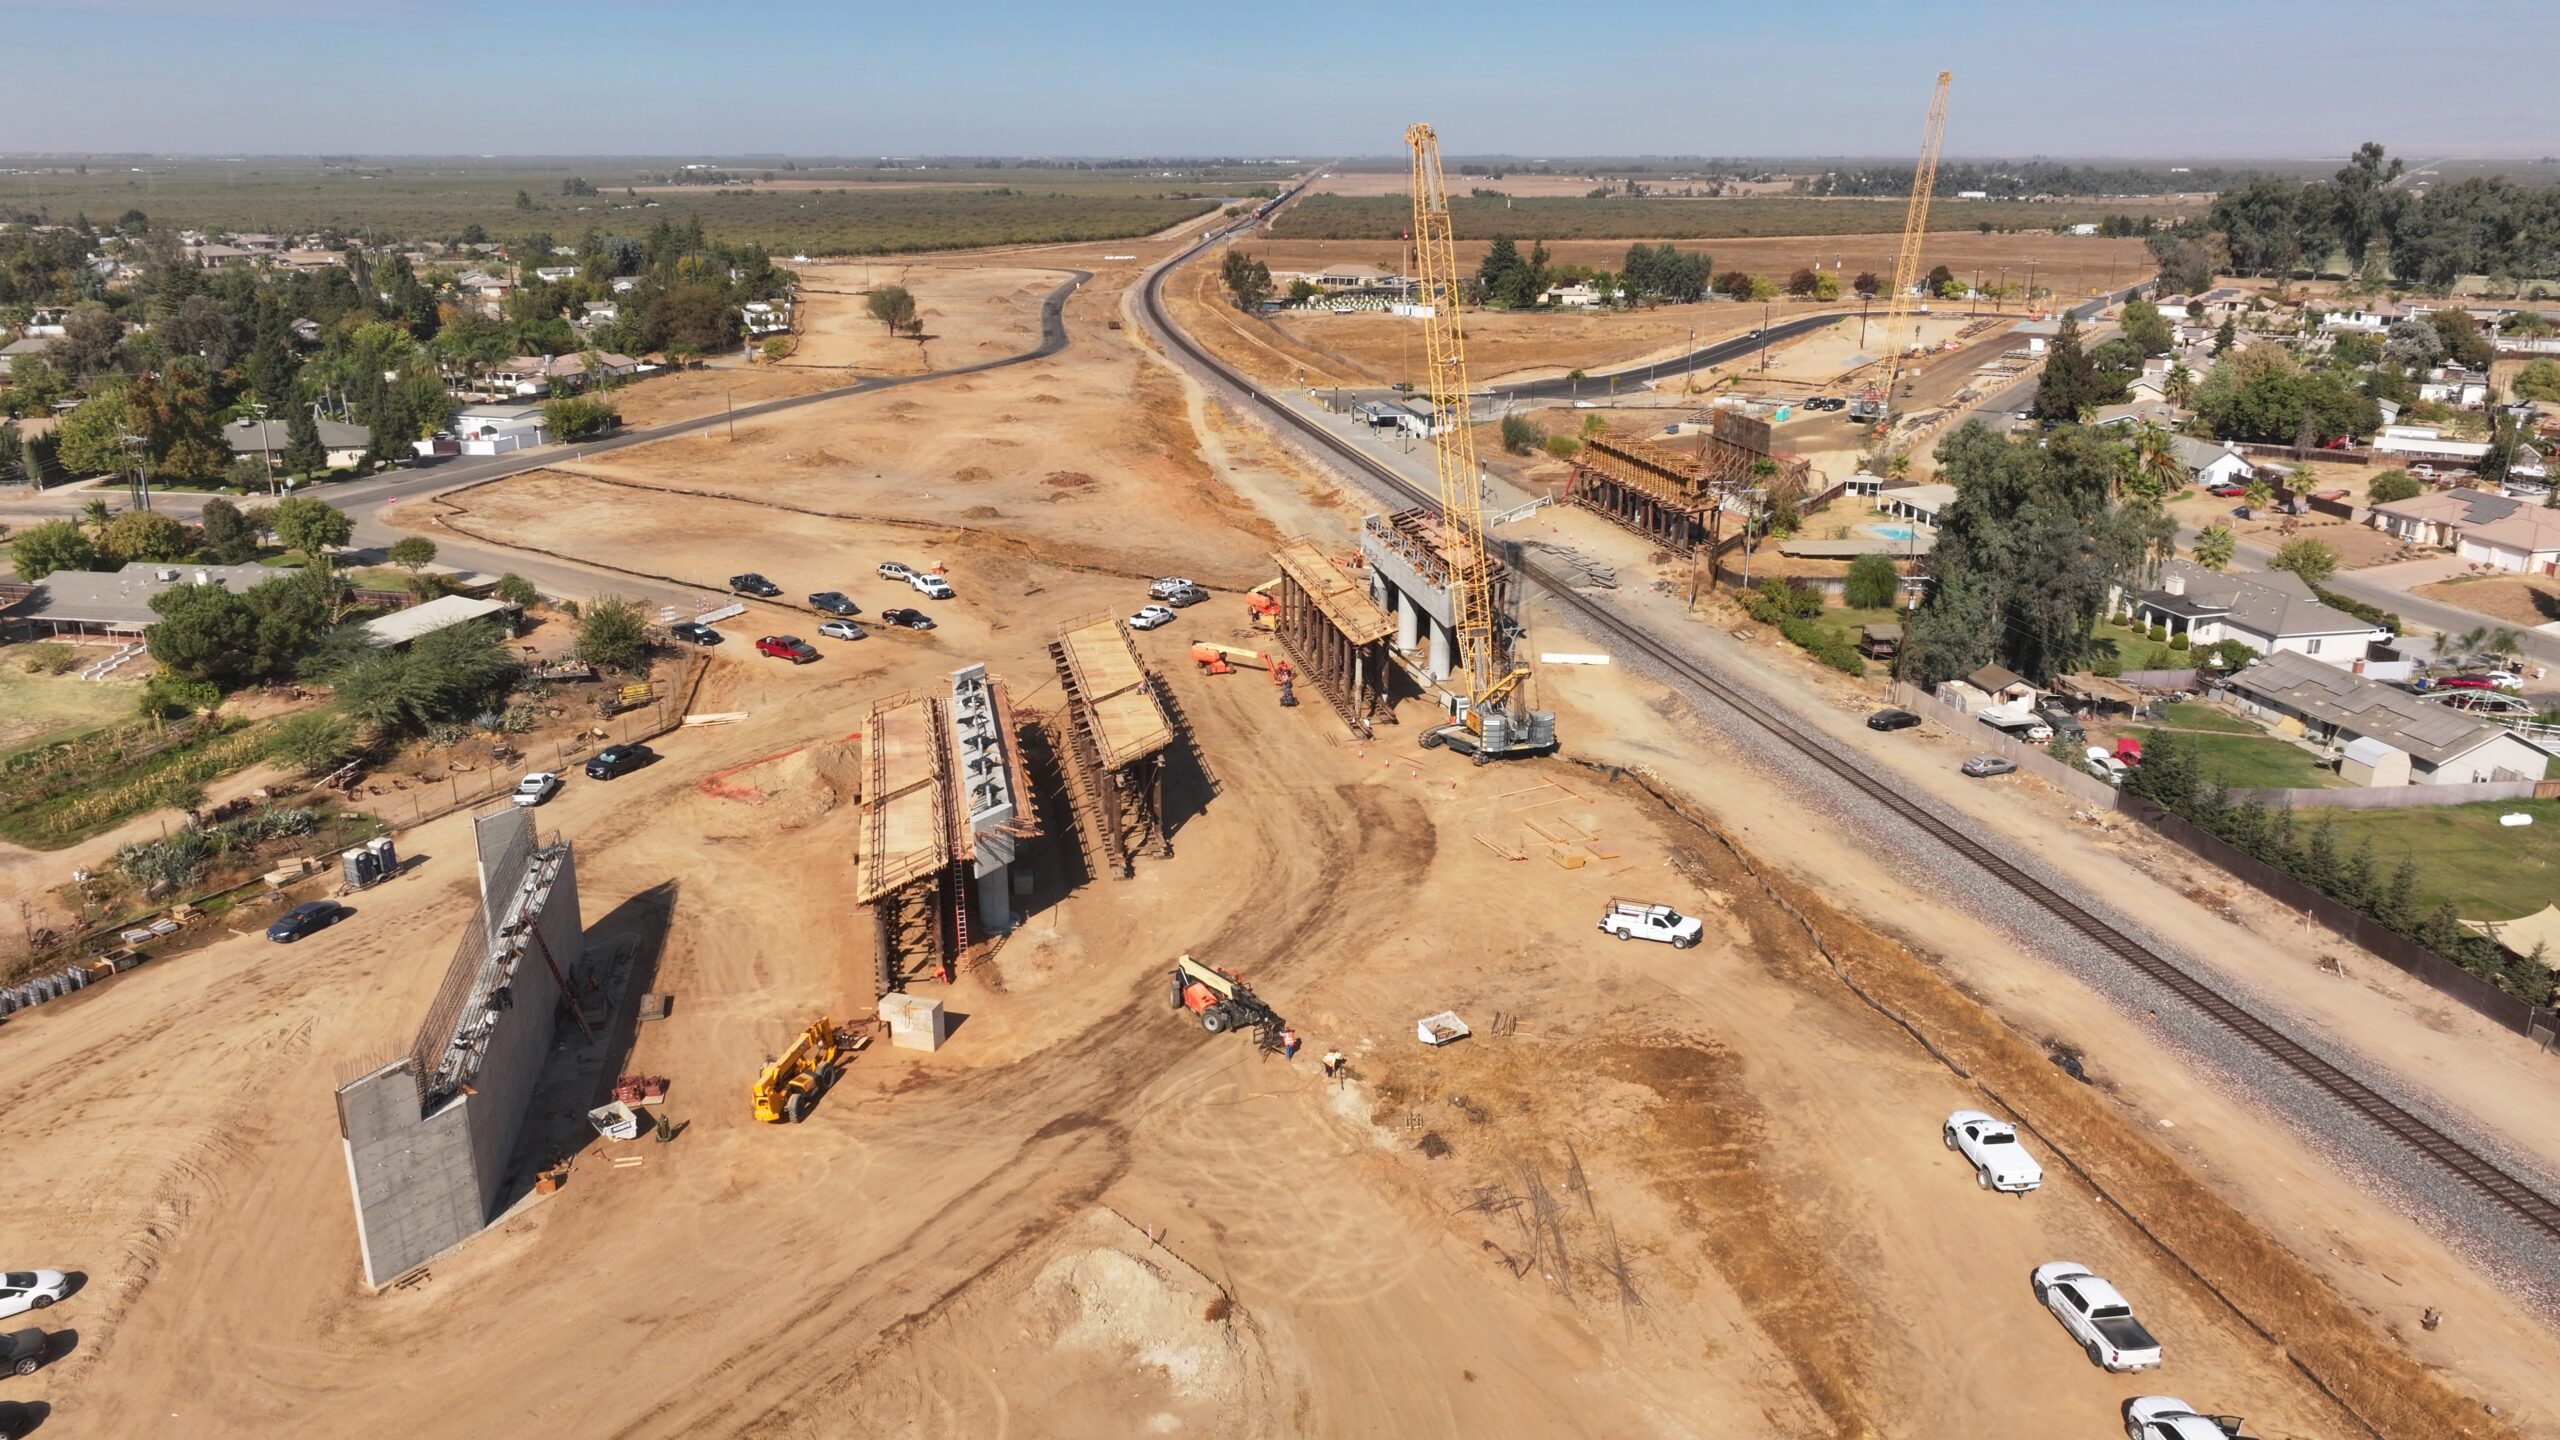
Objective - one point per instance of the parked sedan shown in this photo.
(1188, 595)
(907, 619)
(2228, 491)
(787, 647)
(25, 1290)
(22, 1351)
(834, 602)
(615, 760)
(694, 633)
(1983, 767)
(304, 919)
(535, 788)
(752, 583)
(1151, 616)
(843, 630)
(1892, 720)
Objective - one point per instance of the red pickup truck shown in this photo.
(787, 647)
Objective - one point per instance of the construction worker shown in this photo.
(1288, 1043)
(1334, 1060)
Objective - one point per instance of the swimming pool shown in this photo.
(1891, 532)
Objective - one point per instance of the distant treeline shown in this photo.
(1365, 217)
(2012, 179)
(2486, 225)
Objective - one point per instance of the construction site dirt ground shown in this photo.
(1658, 1192)
(1675, 1192)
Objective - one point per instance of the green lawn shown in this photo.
(2252, 761)
(2464, 855)
(36, 708)
(2139, 651)
(1849, 622)
(2192, 715)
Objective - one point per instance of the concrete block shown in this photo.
(914, 1022)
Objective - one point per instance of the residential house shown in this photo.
(1580, 295)
(2171, 307)
(2356, 317)
(118, 602)
(2223, 302)
(2415, 742)
(765, 318)
(2209, 464)
(267, 439)
(31, 345)
(530, 376)
(495, 429)
(1356, 277)
(2453, 385)
(592, 313)
(305, 332)
(555, 274)
(47, 320)
(1922, 503)
(2497, 530)
(2412, 444)
(2141, 412)
(2268, 612)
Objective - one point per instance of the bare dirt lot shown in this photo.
(1666, 1192)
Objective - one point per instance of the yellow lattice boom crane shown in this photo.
(1900, 315)
(1497, 721)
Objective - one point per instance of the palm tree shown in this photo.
(2493, 640)
(2215, 546)
(1899, 467)
(97, 511)
(2156, 462)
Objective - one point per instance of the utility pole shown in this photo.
(1764, 335)
(139, 447)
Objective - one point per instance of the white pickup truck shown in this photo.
(1634, 919)
(2163, 1417)
(1991, 1147)
(2097, 1316)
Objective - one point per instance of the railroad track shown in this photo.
(2434, 1146)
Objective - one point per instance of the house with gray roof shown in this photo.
(266, 440)
(118, 602)
(2390, 736)
(2268, 612)
(2209, 464)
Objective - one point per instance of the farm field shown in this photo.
(916, 211)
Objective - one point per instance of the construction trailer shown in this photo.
(1111, 731)
(1675, 496)
(1337, 634)
(946, 806)
(429, 1136)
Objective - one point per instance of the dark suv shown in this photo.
(752, 583)
(615, 760)
(693, 632)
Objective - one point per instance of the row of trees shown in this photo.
(2481, 226)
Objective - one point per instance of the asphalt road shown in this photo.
(363, 500)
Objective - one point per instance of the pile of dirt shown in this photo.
(971, 474)
(798, 789)
(1151, 1309)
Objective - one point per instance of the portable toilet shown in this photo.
(356, 866)
(386, 860)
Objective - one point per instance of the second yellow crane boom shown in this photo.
(1915, 227)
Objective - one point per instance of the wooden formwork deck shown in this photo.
(1344, 603)
(906, 800)
(1128, 724)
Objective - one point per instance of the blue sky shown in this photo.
(2052, 77)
